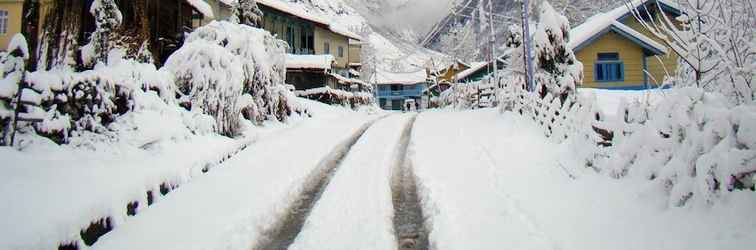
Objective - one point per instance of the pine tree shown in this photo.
(107, 18)
(557, 71)
(246, 12)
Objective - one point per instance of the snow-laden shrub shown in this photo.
(468, 96)
(693, 144)
(331, 96)
(209, 80)
(13, 63)
(222, 62)
(75, 102)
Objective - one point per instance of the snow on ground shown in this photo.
(355, 211)
(492, 181)
(609, 100)
(52, 192)
(228, 208)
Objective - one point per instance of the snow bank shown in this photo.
(492, 181)
(230, 207)
(688, 146)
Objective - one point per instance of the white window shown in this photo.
(341, 51)
(3, 21)
(327, 48)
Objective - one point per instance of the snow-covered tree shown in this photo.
(577, 11)
(246, 12)
(715, 42)
(461, 42)
(107, 18)
(557, 71)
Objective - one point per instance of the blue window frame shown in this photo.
(609, 68)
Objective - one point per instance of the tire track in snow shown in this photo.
(409, 223)
(286, 229)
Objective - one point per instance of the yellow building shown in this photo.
(449, 73)
(10, 20)
(618, 53)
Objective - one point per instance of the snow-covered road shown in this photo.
(355, 211)
(485, 180)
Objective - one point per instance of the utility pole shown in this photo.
(494, 59)
(527, 46)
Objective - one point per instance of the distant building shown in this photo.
(395, 89)
(618, 53)
(478, 71)
(309, 34)
(447, 74)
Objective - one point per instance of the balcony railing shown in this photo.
(406, 92)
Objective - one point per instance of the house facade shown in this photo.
(10, 20)
(618, 53)
(307, 35)
(393, 90)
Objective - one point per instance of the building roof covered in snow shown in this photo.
(323, 62)
(401, 78)
(202, 7)
(474, 67)
(290, 9)
(600, 24)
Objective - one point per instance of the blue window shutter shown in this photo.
(622, 72)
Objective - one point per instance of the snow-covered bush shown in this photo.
(224, 68)
(467, 96)
(694, 145)
(13, 69)
(76, 102)
(331, 96)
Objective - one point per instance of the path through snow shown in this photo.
(355, 211)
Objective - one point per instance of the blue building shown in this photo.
(393, 96)
(394, 89)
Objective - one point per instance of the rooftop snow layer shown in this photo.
(293, 10)
(474, 67)
(202, 7)
(404, 78)
(313, 17)
(600, 22)
(309, 61)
